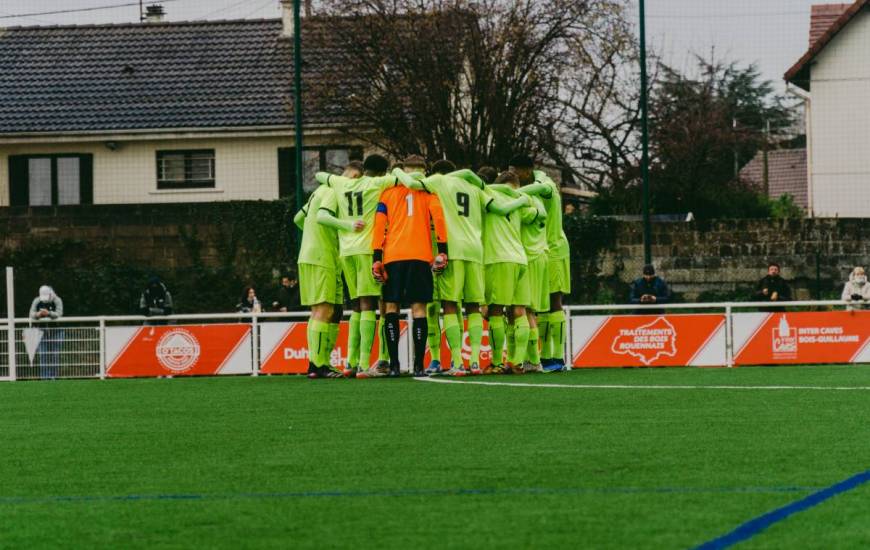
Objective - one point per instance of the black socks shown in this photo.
(392, 332)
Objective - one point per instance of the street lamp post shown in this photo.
(644, 128)
(297, 97)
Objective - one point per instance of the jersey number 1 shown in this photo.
(350, 195)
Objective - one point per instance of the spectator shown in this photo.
(249, 303)
(772, 288)
(650, 289)
(155, 299)
(45, 308)
(288, 294)
(856, 292)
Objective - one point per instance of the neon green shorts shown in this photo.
(358, 276)
(319, 285)
(462, 281)
(560, 275)
(507, 285)
(539, 284)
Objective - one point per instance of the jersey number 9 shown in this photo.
(463, 204)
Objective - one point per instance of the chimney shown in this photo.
(154, 13)
(287, 17)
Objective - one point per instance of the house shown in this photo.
(164, 112)
(786, 174)
(833, 78)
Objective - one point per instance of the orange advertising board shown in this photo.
(284, 348)
(179, 350)
(648, 341)
(801, 338)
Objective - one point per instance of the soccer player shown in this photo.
(403, 262)
(464, 203)
(320, 273)
(534, 235)
(553, 326)
(356, 199)
(506, 284)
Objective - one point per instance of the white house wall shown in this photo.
(245, 169)
(841, 124)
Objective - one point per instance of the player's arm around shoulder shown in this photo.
(502, 205)
(469, 176)
(416, 181)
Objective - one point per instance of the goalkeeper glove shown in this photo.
(379, 271)
(440, 263)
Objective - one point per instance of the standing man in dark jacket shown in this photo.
(772, 287)
(650, 289)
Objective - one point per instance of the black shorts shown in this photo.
(408, 282)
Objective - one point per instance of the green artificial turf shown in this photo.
(284, 461)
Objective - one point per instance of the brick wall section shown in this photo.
(721, 256)
(147, 234)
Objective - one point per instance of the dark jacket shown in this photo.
(287, 298)
(772, 284)
(155, 300)
(657, 287)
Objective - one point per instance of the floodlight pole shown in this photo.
(644, 128)
(297, 96)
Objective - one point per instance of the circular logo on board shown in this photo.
(178, 350)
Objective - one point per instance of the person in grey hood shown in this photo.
(856, 292)
(45, 308)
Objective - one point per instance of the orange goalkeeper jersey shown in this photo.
(403, 224)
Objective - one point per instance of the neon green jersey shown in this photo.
(356, 199)
(463, 205)
(534, 231)
(556, 239)
(319, 242)
(502, 239)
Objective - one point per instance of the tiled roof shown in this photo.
(822, 17)
(786, 174)
(799, 73)
(198, 75)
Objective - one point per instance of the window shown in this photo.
(50, 180)
(185, 169)
(314, 159)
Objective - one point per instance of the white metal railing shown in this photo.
(75, 347)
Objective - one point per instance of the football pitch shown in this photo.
(624, 458)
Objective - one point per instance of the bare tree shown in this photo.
(478, 81)
(594, 133)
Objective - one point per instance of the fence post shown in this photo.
(729, 338)
(10, 314)
(102, 338)
(255, 344)
(569, 341)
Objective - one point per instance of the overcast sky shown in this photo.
(772, 33)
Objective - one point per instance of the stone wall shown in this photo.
(727, 256)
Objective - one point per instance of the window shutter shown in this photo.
(86, 173)
(19, 189)
(286, 171)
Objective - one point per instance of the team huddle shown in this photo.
(444, 242)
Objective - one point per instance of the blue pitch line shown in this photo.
(405, 493)
(759, 524)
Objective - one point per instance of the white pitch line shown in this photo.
(639, 387)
